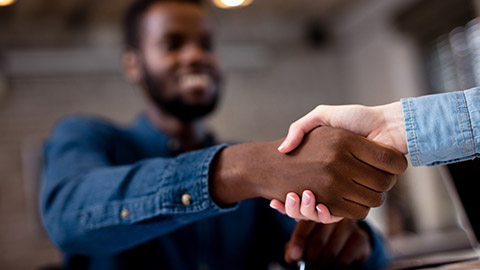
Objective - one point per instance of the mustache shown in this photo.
(176, 105)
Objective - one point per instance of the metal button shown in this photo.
(125, 213)
(186, 199)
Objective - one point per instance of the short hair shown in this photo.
(133, 16)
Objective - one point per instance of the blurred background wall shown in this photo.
(281, 59)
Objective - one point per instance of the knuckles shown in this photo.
(378, 199)
(361, 214)
(386, 183)
(396, 161)
(384, 156)
(293, 127)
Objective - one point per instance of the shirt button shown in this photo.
(186, 199)
(125, 213)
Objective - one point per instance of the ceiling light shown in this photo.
(231, 3)
(4, 3)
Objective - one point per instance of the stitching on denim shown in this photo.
(469, 123)
(460, 123)
(413, 132)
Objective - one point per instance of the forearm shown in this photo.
(107, 209)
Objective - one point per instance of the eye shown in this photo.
(173, 43)
(206, 43)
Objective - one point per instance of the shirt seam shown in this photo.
(460, 123)
(469, 123)
(415, 153)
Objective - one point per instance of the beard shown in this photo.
(176, 105)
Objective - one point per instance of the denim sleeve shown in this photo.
(92, 207)
(380, 256)
(443, 128)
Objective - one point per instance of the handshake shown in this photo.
(383, 124)
(340, 173)
(341, 159)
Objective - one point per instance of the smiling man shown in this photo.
(162, 194)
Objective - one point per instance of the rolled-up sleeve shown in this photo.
(90, 206)
(443, 128)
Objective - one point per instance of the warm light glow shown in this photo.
(231, 3)
(6, 2)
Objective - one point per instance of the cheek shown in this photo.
(159, 61)
(162, 67)
(213, 63)
(163, 71)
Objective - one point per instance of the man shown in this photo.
(162, 195)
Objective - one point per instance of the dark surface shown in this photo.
(466, 177)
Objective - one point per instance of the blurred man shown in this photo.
(161, 194)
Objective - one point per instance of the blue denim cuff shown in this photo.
(410, 128)
(439, 128)
(472, 98)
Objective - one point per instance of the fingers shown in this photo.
(325, 216)
(298, 241)
(356, 250)
(292, 206)
(278, 205)
(378, 156)
(299, 128)
(343, 244)
(317, 242)
(305, 209)
(336, 243)
(368, 196)
(353, 210)
(367, 177)
(362, 189)
(328, 245)
(319, 213)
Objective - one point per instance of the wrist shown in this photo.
(395, 124)
(235, 173)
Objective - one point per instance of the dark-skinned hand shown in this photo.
(346, 172)
(329, 246)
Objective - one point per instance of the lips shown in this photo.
(196, 81)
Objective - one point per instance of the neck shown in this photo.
(191, 134)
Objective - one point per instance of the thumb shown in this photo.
(292, 141)
(296, 246)
(299, 128)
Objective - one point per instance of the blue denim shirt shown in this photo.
(112, 199)
(443, 128)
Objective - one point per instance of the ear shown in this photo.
(131, 65)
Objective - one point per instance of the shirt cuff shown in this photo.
(439, 128)
(182, 195)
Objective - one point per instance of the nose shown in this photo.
(194, 55)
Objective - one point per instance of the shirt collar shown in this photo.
(155, 141)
